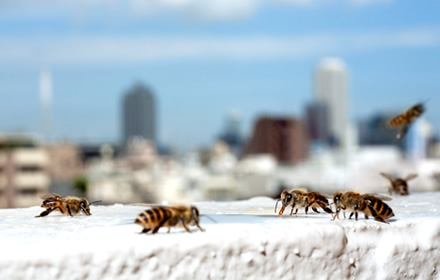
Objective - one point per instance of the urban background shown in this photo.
(182, 101)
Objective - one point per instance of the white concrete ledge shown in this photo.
(248, 241)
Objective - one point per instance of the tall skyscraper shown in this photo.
(331, 88)
(139, 114)
(46, 103)
(317, 122)
(231, 134)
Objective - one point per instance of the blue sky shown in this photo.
(203, 59)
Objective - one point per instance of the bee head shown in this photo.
(195, 213)
(286, 198)
(403, 188)
(84, 205)
(337, 198)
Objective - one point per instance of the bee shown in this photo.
(288, 198)
(300, 198)
(164, 216)
(406, 118)
(339, 198)
(369, 204)
(399, 185)
(69, 205)
(313, 200)
(381, 208)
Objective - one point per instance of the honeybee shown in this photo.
(406, 118)
(369, 204)
(164, 216)
(288, 198)
(381, 208)
(338, 201)
(300, 198)
(399, 185)
(69, 205)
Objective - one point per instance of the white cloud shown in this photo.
(206, 10)
(198, 9)
(108, 50)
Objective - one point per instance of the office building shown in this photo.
(138, 115)
(284, 138)
(316, 118)
(23, 171)
(331, 89)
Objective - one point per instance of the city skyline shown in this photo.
(202, 60)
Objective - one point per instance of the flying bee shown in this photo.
(406, 118)
(164, 216)
(399, 185)
(70, 205)
(288, 198)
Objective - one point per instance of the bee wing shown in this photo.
(402, 132)
(324, 195)
(53, 196)
(388, 176)
(378, 196)
(298, 191)
(410, 176)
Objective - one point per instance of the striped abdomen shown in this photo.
(154, 217)
(382, 209)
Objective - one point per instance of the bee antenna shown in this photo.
(209, 218)
(276, 205)
(95, 202)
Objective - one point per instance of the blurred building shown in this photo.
(284, 138)
(23, 171)
(331, 89)
(374, 131)
(317, 120)
(138, 115)
(418, 138)
(231, 134)
(65, 165)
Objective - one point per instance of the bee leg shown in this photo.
(344, 215)
(351, 215)
(184, 226)
(47, 211)
(366, 216)
(68, 211)
(356, 215)
(314, 209)
(307, 209)
(325, 207)
(336, 214)
(145, 230)
(169, 229)
(198, 226)
(159, 225)
(291, 212)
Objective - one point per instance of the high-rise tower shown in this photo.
(331, 88)
(138, 114)
(46, 103)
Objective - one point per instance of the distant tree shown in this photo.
(80, 184)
